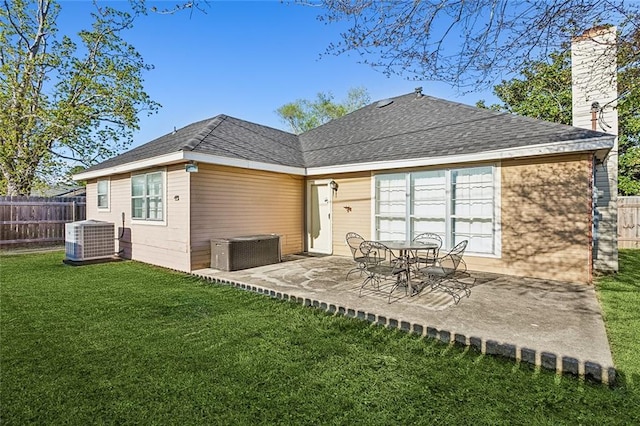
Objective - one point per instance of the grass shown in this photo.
(128, 343)
(620, 301)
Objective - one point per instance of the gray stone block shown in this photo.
(593, 371)
(548, 360)
(528, 355)
(361, 315)
(491, 347)
(393, 323)
(611, 376)
(418, 329)
(342, 310)
(460, 339)
(432, 332)
(332, 308)
(476, 343)
(569, 365)
(316, 304)
(445, 336)
(382, 320)
(351, 313)
(307, 302)
(507, 350)
(405, 326)
(371, 317)
(323, 306)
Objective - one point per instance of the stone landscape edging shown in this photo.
(560, 364)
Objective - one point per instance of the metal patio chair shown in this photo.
(446, 273)
(354, 240)
(428, 256)
(381, 264)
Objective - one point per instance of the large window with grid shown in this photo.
(147, 196)
(458, 204)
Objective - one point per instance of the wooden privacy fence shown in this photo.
(32, 220)
(629, 222)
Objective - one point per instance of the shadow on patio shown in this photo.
(556, 325)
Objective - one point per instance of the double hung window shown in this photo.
(147, 196)
(457, 204)
(103, 194)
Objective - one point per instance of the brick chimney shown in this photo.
(594, 107)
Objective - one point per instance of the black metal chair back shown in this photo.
(354, 240)
(427, 256)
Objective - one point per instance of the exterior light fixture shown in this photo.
(191, 167)
(334, 186)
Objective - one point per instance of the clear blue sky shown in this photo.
(243, 59)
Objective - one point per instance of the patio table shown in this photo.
(405, 249)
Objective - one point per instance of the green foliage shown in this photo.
(544, 92)
(64, 99)
(629, 116)
(128, 343)
(303, 114)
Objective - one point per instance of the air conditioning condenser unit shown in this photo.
(89, 239)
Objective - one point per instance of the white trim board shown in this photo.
(604, 142)
(564, 147)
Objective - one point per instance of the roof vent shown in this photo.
(418, 92)
(383, 103)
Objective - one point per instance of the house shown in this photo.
(520, 190)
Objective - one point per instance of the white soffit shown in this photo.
(242, 163)
(180, 156)
(162, 160)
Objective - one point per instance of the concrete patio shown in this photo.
(555, 325)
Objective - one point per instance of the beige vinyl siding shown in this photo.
(163, 244)
(229, 201)
(546, 220)
(351, 209)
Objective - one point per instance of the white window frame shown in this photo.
(448, 235)
(146, 197)
(107, 195)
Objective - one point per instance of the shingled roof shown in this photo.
(402, 128)
(418, 126)
(221, 136)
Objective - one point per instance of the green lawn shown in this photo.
(620, 299)
(130, 343)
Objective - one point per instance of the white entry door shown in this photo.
(319, 238)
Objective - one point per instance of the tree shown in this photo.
(303, 114)
(61, 102)
(544, 92)
(467, 43)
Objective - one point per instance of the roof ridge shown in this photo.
(257, 150)
(202, 134)
(240, 124)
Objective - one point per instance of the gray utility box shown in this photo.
(232, 254)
